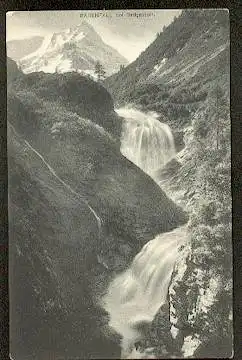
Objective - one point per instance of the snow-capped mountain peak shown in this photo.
(75, 49)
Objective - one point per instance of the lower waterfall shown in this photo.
(134, 297)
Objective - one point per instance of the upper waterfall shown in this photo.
(146, 141)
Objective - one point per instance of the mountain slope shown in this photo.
(77, 214)
(173, 75)
(77, 48)
(16, 49)
(184, 75)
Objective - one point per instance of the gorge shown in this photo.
(183, 76)
(85, 215)
(135, 296)
(120, 204)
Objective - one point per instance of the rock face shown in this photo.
(168, 171)
(184, 76)
(77, 214)
(13, 72)
(75, 49)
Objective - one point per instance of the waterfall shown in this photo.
(134, 297)
(146, 141)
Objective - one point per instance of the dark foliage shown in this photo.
(56, 275)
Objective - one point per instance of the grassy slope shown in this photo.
(184, 81)
(57, 264)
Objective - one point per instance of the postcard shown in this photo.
(119, 168)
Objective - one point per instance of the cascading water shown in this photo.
(134, 297)
(146, 141)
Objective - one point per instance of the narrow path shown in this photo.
(52, 171)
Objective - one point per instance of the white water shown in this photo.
(135, 296)
(146, 141)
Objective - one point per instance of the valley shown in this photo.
(120, 203)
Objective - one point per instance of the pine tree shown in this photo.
(99, 71)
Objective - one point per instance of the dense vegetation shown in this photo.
(191, 93)
(56, 111)
(174, 38)
(62, 257)
(205, 177)
(202, 296)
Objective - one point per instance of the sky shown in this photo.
(128, 31)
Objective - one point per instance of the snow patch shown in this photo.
(41, 50)
(159, 66)
(80, 36)
(52, 64)
(65, 65)
(90, 73)
(165, 72)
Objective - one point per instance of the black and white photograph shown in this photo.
(119, 184)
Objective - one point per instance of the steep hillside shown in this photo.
(14, 73)
(75, 49)
(68, 177)
(71, 91)
(77, 214)
(184, 76)
(176, 72)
